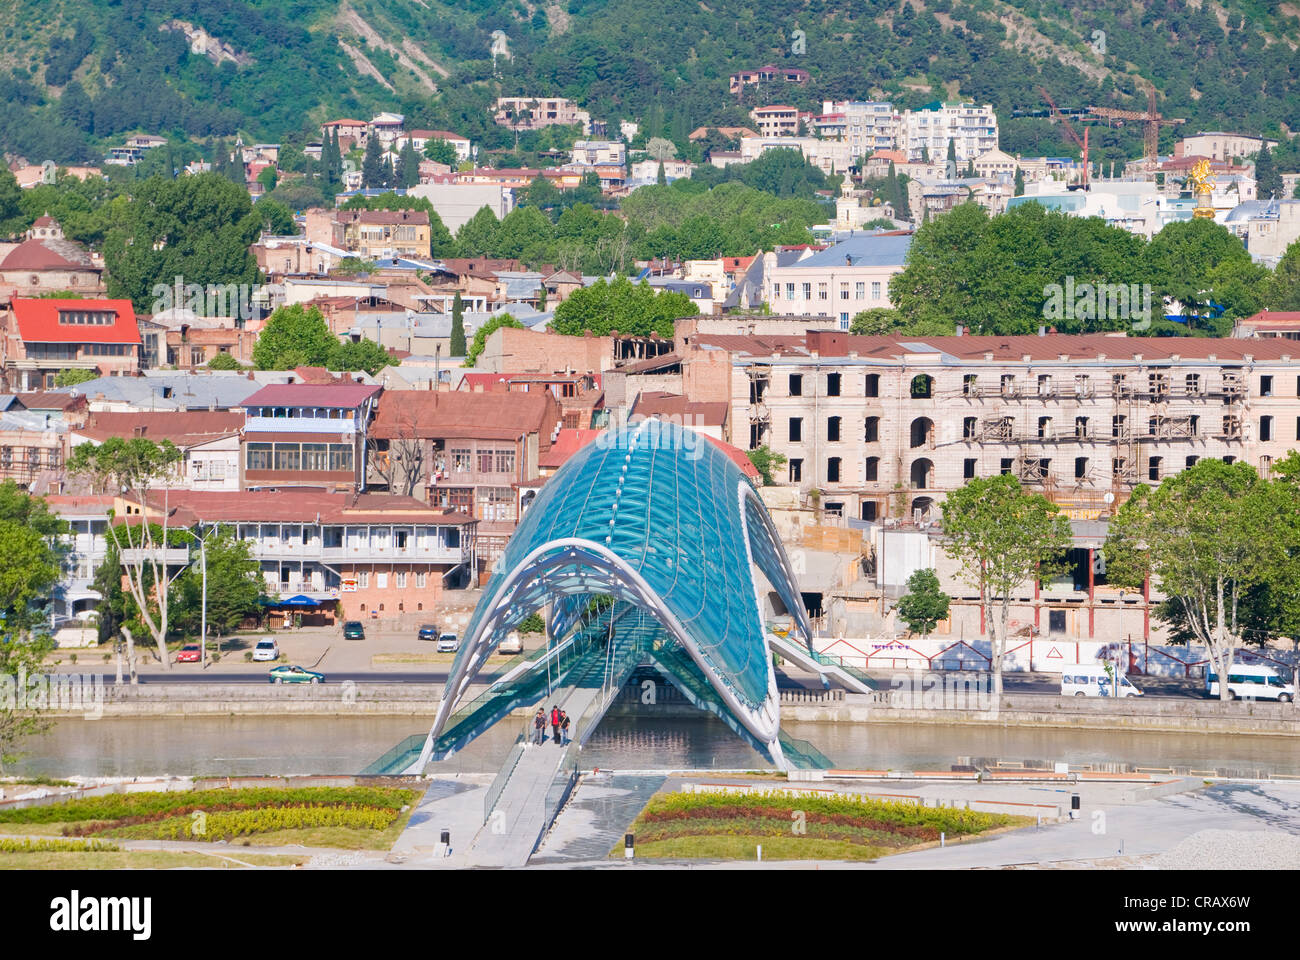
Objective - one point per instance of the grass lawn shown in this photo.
(811, 826)
(343, 838)
(143, 860)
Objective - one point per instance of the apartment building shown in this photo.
(864, 125)
(465, 452)
(884, 426)
(777, 120)
(308, 435)
(840, 281)
(1218, 145)
(32, 443)
(971, 128)
(830, 156)
(87, 546)
(44, 336)
(382, 234)
(209, 442)
(419, 139)
(768, 74)
(590, 153)
(533, 113)
(377, 555)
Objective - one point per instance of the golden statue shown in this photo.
(1202, 183)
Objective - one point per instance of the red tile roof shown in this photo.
(313, 395)
(38, 322)
(302, 505)
(653, 403)
(566, 445)
(461, 414)
(185, 428)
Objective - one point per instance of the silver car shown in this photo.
(266, 650)
(448, 643)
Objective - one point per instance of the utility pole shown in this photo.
(203, 617)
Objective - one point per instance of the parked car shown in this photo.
(266, 649)
(428, 632)
(448, 643)
(353, 630)
(190, 653)
(511, 644)
(294, 674)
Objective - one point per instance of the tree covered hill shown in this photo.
(75, 74)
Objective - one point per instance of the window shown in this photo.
(796, 385)
(833, 429)
(1193, 382)
(196, 356)
(460, 460)
(832, 384)
(421, 581)
(872, 471)
(505, 460)
(844, 291)
(796, 429)
(486, 458)
(796, 470)
(400, 580)
(872, 388)
(970, 385)
(875, 289)
(860, 291)
(315, 456)
(869, 509)
(1080, 468)
(872, 434)
(789, 291)
(381, 581)
(1044, 385)
(1266, 386)
(968, 468)
(340, 458)
(1081, 428)
(922, 387)
(807, 291)
(400, 538)
(363, 580)
(1265, 428)
(1191, 461)
(1008, 384)
(1118, 467)
(968, 428)
(258, 456)
(822, 292)
(1005, 466)
(1119, 427)
(1045, 428)
(833, 470)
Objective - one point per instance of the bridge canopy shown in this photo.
(656, 516)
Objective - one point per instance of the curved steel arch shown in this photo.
(672, 531)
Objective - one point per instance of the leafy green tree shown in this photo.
(486, 330)
(362, 354)
(234, 586)
(1183, 258)
(224, 361)
(766, 461)
(1001, 536)
(636, 310)
(199, 228)
(11, 214)
(457, 344)
(1019, 183)
(1206, 536)
(441, 151)
(477, 236)
(275, 216)
(877, 321)
(1282, 292)
(294, 336)
(268, 178)
(924, 605)
(72, 377)
(134, 467)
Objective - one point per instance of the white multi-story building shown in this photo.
(840, 281)
(865, 125)
(970, 127)
(591, 153)
(829, 156)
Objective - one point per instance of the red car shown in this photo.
(190, 653)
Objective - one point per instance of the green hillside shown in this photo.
(81, 74)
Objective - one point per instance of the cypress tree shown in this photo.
(660, 178)
(457, 345)
(1268, 182)
(372, 167)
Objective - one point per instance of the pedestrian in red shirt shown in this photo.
(555, 723)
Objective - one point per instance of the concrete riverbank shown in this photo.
(1181, 715)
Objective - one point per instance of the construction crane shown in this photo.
(1151, 118)
(1083, 144)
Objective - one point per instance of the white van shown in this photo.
(1251, 681)
(1091, 680)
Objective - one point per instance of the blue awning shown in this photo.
(298, 601)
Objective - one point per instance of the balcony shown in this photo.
(171, 556)
(432, 551)
(299, 425)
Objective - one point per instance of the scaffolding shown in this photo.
(997, 429)
(760, 420)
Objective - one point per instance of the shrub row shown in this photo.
(54, 845)
(241, 823)
(118, 806)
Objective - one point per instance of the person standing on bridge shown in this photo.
(555, 722)
(539, 724)
(564, 727)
